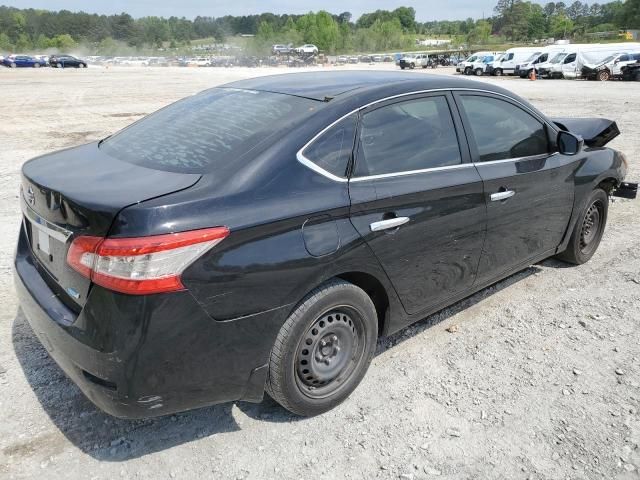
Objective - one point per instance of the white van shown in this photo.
(610, 67)
(512, 57)
(544, 69)
(525, 68)
(592, 53)
(482, 64)
(465, 67)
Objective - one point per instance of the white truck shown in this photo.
(413, 60)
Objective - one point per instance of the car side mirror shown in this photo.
(569, 144)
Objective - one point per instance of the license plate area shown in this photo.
(50, 252)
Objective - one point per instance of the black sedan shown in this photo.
(66, 61)
(262, 235)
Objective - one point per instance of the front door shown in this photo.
(528, 188)
(417, 200)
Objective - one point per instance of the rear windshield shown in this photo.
(209, 130)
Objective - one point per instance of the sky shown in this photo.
(425, 9)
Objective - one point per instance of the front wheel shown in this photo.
(478, 72)
(497, 72)
(13, 65)
(323, 349)
(412, 66)
(58, 65)
(603, 76)
(588, 230)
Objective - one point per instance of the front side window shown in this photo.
(570, 58)
(407, 136)
(331, 151)
(501, 130)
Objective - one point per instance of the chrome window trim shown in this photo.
(540, 156)
(311, 165)
(44, 225)
(411, 172)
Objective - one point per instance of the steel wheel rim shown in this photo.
(329, 352)
(590, 231)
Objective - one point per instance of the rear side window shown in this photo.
(407, 136)
(331, 151)
(208, 132)
(502, 131)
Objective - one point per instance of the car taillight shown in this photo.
(142, 265)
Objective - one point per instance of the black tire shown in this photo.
(59, 65)
(13, 65)
(467, 71)
(588, 230)
(412, 66)
(603, 76)
(497, 72)
(323, 350)
(479, 72)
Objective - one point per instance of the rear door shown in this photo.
(416, 199)
(529, 187)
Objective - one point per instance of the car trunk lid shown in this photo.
(80, 191)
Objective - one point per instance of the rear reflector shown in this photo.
(144, 265)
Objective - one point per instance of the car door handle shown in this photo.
(386, 224)
(496, 197)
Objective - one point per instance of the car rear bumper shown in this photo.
(145, 356)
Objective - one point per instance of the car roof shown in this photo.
(325, 86)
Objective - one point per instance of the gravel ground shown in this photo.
(537, 377)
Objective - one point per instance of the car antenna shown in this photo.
(327, 99)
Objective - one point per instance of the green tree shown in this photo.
(5, 43)
(63, 42)
(561, 26)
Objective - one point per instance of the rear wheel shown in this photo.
(603, 76)
(588, 230)
(323, 349)
(36, 65)
(412, 66)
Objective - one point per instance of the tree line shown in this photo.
(382, 30)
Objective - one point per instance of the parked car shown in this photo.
(308, 49)
(280, 49)
(66, 61)
(631, 72)
(354, 59)
(199, 62)
(23, 61)
(180, 277)
(610, 67)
